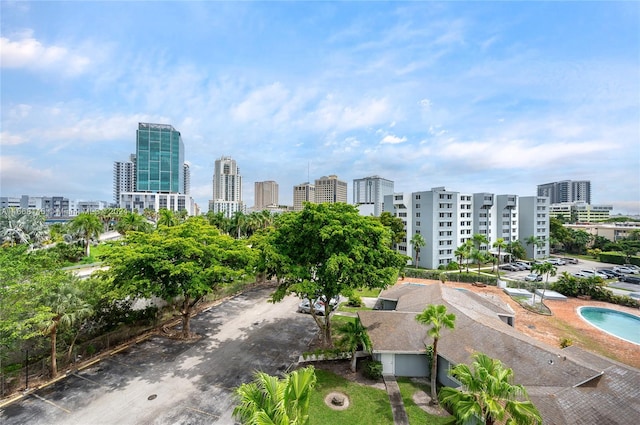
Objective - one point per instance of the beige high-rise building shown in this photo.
(265, 194)
(330, 189)
(303, 192)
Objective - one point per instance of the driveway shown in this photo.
(163, 381)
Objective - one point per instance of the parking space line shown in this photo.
(203, 412)
(50, 402)
(88, 379)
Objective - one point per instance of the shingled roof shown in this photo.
(564, 384)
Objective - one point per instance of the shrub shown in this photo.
(565, 342)
(354, 301)
(372, 369)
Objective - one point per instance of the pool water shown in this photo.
(617, 323)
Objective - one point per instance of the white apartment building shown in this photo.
(303, 192)
(369, 193)
(506, 223)
(227, 187)
(139, 201)
(124, 177)
(484, 214)
(534, 221)
(399, 205)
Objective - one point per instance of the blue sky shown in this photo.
(474, 96)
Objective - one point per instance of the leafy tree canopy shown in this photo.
(189, 260)
(329, 250)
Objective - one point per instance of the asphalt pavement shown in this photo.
(166, 381)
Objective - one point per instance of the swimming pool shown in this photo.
(617, 323)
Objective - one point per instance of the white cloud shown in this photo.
(393, 140)
(31, 54)
(8, 139)
(340, 117)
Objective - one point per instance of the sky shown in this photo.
(474, 96)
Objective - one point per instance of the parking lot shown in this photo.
(165, 381)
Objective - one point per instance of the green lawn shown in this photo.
(415, 413)
(369, 293)
(367, 405)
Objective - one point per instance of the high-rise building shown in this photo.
(227, 187)
(506, 220)
(369, 193)
(399, 205)
(533, 225)
(566, 191)
(330, 189)
(124, 177)
(156, 177)
(303, 192)
(265, 195)
(187, 179)
(159, 159)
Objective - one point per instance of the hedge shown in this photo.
(616, 257)
(453, 276)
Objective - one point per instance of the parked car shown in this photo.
(318, 306)
(533, 277)
(556, 261)
(630, 279)
(523, 265)
(591, 273)
(510, 267)
(570, 260)
(580, 274)
(624, 270)
(609, 273)
(633, 267)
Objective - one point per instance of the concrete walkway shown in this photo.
(395, 399)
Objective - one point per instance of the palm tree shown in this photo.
(437, 318)
(460, 254)
(478, 257)
(274, 401)
(479, 239)
(89, 226)
(132, 222)
(500, 244)
(487, 395)
(166, 218)
(353, 336)
(67, 306)
(544, 269)
(417, 241)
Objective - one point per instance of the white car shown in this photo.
(556, 261)
(625, 270)
(591, 273)
(533, 277)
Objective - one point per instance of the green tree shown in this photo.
(545, 269)
(352, 337)
(436, 317)
(417, 242)
(187, 261)
(67, 306)
(133, 222)
(274, 401)
(488, 395)
(479, 239)
(89, 226)
(395, 225)
(516, 249)
(479, 257)
(330, 249)
(166, 218)
(500, 244)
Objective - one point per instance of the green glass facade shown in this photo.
(159, 159)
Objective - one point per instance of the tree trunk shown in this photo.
(353, 361)
(434, 372)
(186, 316)
(87, 248)
(54, 363)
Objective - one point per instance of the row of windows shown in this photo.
(447, 242)
(446, 215)
(465, 232)
(443, 205)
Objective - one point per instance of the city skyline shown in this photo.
(470, 96)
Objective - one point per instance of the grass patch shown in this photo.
(344, 307)
(367, 292)
(367, 405)
(408, 388)
(337, 321)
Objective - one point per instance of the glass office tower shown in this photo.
(159, 159)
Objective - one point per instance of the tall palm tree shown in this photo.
(479, 239)
(488, 395)
(133, 222)
(166, 218)
(67, 306)
(417, 241)
(353, 336)
(547, 269)
(274, 401)
(437, 318)
(500, 244)
(478, 257)
(89, 226)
